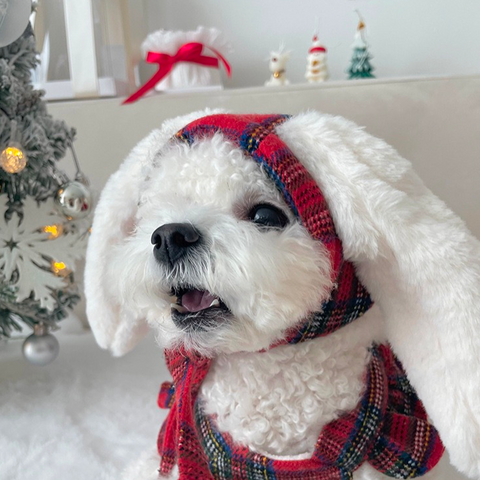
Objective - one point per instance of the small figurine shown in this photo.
(316, 62)
(277, 62)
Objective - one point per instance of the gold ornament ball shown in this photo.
(12, 159)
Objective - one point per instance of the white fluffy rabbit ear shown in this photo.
(117, 327)
(419, 262)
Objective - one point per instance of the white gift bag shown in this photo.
(186, 75)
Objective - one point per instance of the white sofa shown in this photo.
(85, 416)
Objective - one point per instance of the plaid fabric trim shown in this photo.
(398, 445)
(166, 396)
(388, 428)
(408, 446)
(178, 441)
(348, 302)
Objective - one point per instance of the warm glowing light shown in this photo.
(60, 269)
(54, 230)
(13, 160)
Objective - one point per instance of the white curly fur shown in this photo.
(278, 401)
(415, 257)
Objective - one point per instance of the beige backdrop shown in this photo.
(434, 122)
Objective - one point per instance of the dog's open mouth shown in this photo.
(193, 308)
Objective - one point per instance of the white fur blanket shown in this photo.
(83, 417)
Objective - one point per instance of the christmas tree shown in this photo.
(360, 64)
(44, 220)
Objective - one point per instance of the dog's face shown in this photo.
(216, 260)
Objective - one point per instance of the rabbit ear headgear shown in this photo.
(415, 257)
(419, 262)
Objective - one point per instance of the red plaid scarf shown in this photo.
(388, 428)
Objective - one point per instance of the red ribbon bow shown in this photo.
(190, 52)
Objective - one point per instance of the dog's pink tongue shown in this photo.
(195, 300)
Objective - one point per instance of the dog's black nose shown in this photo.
(173, 240)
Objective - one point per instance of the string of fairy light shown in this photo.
(73, 200)
(74, 205)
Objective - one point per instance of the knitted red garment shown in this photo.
(388, 428)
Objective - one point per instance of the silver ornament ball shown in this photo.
(74, 200)
(14, 15)
(40, 348)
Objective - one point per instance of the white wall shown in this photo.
(407, 37)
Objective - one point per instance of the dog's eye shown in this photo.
(267, 216)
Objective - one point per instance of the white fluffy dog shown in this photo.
(233, 270)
